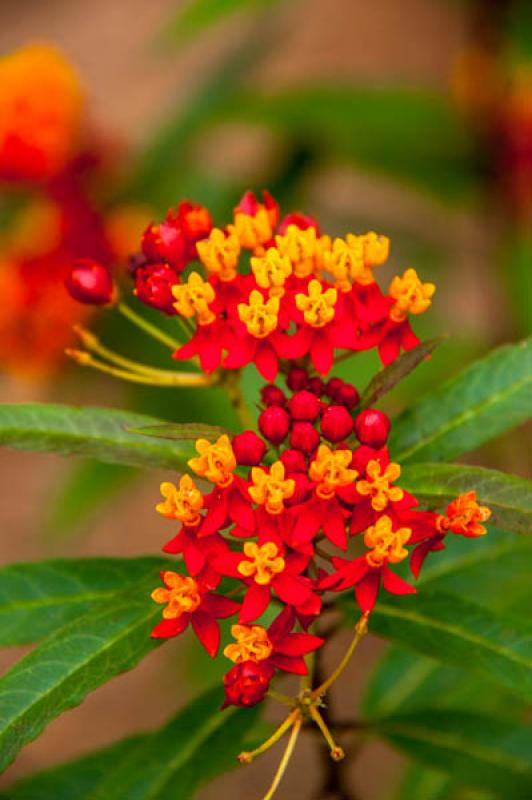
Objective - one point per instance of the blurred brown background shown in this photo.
(131, 84)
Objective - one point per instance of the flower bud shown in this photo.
(274, 423)
(304, 406)
(372, 428)
(272, 396)
(301, 221)
(248, 448)
(347, 396)
(302, 490)
(90, 282)
(336, 424)
(297, 378)
(167, 242)
(332, 387)
(195, 219)
(316, 386)
(304, 437)
(153, 286)
(247, 683)
(294, 461)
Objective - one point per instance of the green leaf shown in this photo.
(196, 16)
(88, 487)
(407, 133)
(199, 743)
(480, 750)
(178, 431)
(97, 432)
(395, 372)
(508, 497)
(38, 598)
(454, 630)
(62, 671)
(481, 402)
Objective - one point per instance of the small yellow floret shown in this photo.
(378, 485)
(304, 248)
(252, 644)
(387, 544)
(260, 316)
(264, 562)
(181, 594)
(252, 231)
(330, 469)
(193, 299)
(318, 305)
(270, 489)
(220, 253)
(271, 271)
(183, 503)
(216, 461)
(410, 294)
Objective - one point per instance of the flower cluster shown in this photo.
(268, 290)
(58, 217)
(312, 505)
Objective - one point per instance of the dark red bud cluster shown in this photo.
(247, 683)
(372, 428)
(90, 282)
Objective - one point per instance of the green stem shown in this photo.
(147, 327)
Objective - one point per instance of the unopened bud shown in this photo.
(274, 423)
(336, 423)
(248, 448)
(304, 406)
(372, 428)
(90, 282)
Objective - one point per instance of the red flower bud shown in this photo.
(195, 219)
(248, 448)
(302, 490)
(347, 396)
(372, 428)
(272, 396)
(153, 286)
(274, 423)
(168, 242)
(304, 406)
(301, 221)
(316, 386)
(90, 282)
(294, 461)
(304, 437)
(336, 423)
(247, 683)
(297, 379)
(332, 387)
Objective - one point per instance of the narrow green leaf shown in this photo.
(481, 750)
(453, 630)
(197, 16)
(508, 497)
(484, 400)
(63, 670)
(199, 743)
(181, 431)
(38, 598)
(101, 433)
(395, 372)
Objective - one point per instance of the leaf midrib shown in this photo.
(461, 418)
(431, 622)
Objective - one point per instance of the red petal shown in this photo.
(291, 590)
(207, 630)
(394, 584)
(170, 627)
(240, 511)
(292, 664)
(282, 624)
(298, 644)
(219, 606)
(175, 545)
(194, 558)
(390, 346)
(321, 353)
(334, 528)
(255, 603)
(367, 590)
(266, 362)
